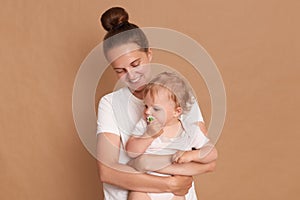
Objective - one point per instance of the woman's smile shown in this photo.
(134, 80)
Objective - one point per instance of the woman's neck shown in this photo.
(138, 94)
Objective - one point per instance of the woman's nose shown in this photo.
(130, 72)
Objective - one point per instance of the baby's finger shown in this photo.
(177, 156)
(174, 158)
(180, 160)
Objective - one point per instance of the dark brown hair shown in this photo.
(120, 30)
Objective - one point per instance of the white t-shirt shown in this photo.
(118, 113)
(190, 137)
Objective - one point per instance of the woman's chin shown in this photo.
(137, 88)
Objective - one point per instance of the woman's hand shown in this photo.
(180, 185)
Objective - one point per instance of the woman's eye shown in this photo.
(136, 64)
(146, 106)
(119, 71)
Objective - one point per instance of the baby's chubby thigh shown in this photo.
(165, 196)
(138, 195)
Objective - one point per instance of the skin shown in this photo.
(165, 122)
(166, 114)
(161, 108)
(131, 68)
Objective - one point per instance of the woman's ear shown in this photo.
(149, 54)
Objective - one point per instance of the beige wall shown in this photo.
(254, 43)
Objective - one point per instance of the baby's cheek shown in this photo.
(161, 117)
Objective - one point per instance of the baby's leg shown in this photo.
(178, 198)
(138, 196)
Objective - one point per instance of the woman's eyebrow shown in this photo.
(116, 68)
(136, 60)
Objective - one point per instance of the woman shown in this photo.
(126, 48)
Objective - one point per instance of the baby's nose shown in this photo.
(147, 111)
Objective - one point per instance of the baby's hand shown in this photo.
(182, 157)
(154, 128)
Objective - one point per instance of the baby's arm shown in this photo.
(204, 151)
(150, 162)
(163, 164)
(206, 154)
(137, 145)
(197, 161)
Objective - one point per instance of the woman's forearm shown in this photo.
(208, 154)
(135, 181)
(130, 180)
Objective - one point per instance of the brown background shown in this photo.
(255, 44)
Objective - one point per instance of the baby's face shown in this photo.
(161, 107)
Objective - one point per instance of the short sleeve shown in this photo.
(198, 139)
(106, 121)
(194, 115)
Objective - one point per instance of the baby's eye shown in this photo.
(156, 109)
(146, 106)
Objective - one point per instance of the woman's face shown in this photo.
(131, 65)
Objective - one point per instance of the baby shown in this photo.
(162, 132)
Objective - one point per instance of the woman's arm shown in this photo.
(112, 172)
(189, 169)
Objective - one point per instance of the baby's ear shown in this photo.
(178, 111)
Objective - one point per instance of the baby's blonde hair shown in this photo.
(180, 92)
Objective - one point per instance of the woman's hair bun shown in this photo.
(113, 17)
